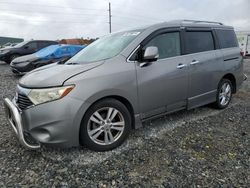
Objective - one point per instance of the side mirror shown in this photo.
(151, 54)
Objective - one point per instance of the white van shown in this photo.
(244, 42)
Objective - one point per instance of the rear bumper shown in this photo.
(14, 118)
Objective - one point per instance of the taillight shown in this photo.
(242, 53)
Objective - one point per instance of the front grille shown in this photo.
(23, 101)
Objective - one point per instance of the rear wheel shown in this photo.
(224, 94)
(105, 125)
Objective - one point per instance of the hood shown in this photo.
(6, 48)
(54, 74)
(25, 58)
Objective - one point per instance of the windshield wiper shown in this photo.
(73, 63)
(64, 61)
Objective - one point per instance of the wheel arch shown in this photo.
(121, 99)
(232, 78)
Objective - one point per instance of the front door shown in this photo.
(162, 85)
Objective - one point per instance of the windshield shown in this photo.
(21, 44)
(47, 51)
(105, 47)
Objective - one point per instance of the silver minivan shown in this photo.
(109, 88)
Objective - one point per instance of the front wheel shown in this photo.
(105, 125)
(224, 94)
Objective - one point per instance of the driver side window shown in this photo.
(168, 44)
(31, 45)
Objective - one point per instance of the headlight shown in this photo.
(38, 96)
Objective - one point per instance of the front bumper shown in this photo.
(21, 70)
(3, 57)
(17, 72)
(55, 123)
(14, 118)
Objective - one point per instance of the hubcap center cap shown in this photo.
(107, 126)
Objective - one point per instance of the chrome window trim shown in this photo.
(132, 53)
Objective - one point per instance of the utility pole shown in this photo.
(109, 17)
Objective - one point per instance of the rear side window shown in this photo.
(43, 44)
(168, 44)
(199, 41)
(32, 45)
(227, 38)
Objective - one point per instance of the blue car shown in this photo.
(45, 56)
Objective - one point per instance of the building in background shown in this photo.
(80, 41)
(244, 41)
(9, 40)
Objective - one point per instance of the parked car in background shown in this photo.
(24, 48)
(244, 42)
(9, 44)
(123, 79)
(45, 56)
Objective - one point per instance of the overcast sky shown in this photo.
(57, 19)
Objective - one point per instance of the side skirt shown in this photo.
(139, 120)
(192, 102)
(202, 99)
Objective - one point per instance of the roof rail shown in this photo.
(199, 21)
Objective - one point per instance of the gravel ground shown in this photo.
(198, 148)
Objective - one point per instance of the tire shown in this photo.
(223, 95)
(95, 130)
(12, 57)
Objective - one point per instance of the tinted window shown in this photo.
(199, 41)
(32, 45)
(43, 44)
(168, 44)
(227, 38)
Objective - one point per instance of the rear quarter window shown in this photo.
(199, 41)
(227, 38)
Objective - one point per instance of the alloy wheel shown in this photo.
(106, 126)
(225, 94)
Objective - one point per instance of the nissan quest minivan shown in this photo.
(110, 87)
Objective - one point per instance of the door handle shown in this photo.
(180, 66)
(194, 62)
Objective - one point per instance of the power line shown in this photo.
(79, 14)
(134, 19)
(136, 16)
(48, 12)
(46, 21)
(85, 15)
(53, 6)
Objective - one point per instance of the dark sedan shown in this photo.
(24, 48)
(45, 56)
